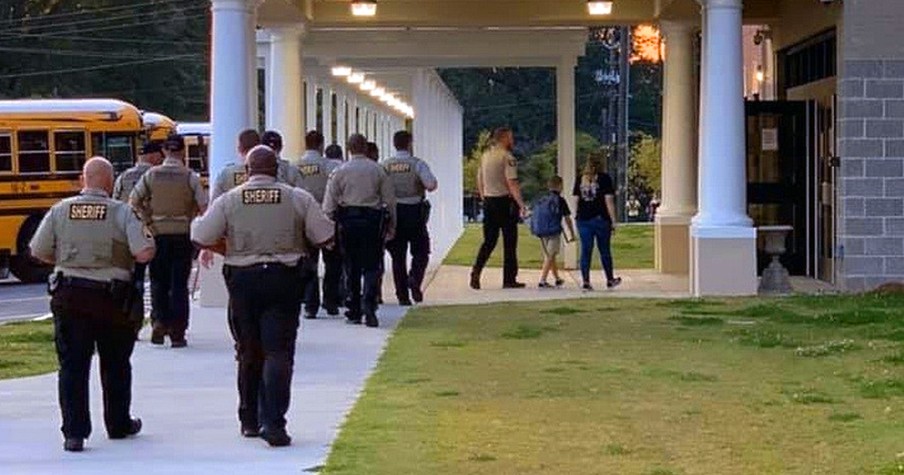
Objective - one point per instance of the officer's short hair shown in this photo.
(333, 152)
(500, 133)
(401, 140)
(261, 160)
(272, 139)
(373, 152)
(313, 140)
(357, 144)
(555, 183)
(248, 139)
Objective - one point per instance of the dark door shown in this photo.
(777, 151)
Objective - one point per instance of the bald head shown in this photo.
(261, 160)
(357, 144)
(98, 173)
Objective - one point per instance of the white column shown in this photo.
(341, 118)
(723, 239)
(251, 48)
(230, 82)
(285, 106)
(679, 150)
(327, 114)
(353, 124)
(566, 139)
(310, 122)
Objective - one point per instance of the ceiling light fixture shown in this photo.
(341, 71)
(368, 85)
(599, 8)
(356, 78)
(364, 8)
(378, 92)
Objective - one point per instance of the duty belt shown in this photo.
(265, 266)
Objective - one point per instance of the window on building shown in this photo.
(34, 151)
(69, 151)
(6, 153)
(808, 61)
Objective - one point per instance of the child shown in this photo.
(549, 211)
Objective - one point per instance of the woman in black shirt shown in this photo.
(595, 219)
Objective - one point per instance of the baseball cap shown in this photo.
(174, 143)
(151, 147)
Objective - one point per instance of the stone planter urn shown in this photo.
(776, 279)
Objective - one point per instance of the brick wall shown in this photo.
(871, 178)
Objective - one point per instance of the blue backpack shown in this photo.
(546, 216)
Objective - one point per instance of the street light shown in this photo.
(364, 8)
(599, 8)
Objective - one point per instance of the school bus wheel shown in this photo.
(25, 267)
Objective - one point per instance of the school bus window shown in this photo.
(69, 151)
(6, 153)
(116, 148)
(34, 151)
(119, 150)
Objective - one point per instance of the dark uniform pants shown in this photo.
(362, 252)
(170, 271)
(500, 214)
(85, 319)
(332, 275)
(411, 231)
(264, 302)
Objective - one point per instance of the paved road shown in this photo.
(20, 301)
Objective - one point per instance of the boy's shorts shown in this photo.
(551, 245)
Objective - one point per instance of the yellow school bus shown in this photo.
(157, 127)
(43, 145)
(197, 143)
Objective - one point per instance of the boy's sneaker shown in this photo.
(544, 285)
(613, 283)
(587, 287)
(560, 282)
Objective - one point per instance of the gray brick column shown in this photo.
(871, 177)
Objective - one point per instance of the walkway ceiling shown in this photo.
(497, 13)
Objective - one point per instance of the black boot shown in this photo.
(74, 444)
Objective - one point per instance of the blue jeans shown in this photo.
(600, 230)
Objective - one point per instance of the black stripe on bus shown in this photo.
(72, 176)
(23, 212)
(37, 196)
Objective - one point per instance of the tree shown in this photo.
(645, 171)
(471, 163)
(537, 169)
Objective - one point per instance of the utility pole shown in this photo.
(624, 92)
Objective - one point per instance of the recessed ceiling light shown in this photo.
(364, 7)
(598, 8)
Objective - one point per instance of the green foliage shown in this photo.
(645, 170)
(152, 54)
(472, 163)
(536, 171)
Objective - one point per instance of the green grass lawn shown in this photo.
(26, 349)
(794, 386)
(632, 248)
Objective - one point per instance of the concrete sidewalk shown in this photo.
(187, 400)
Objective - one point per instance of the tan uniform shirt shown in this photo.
(126, 181)
(315, 171)
(411, 177)
(360, 182)
(235, 174)
(141, 195)
(129, 230)
(217, 222)
(497, 166)
(288, 174)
